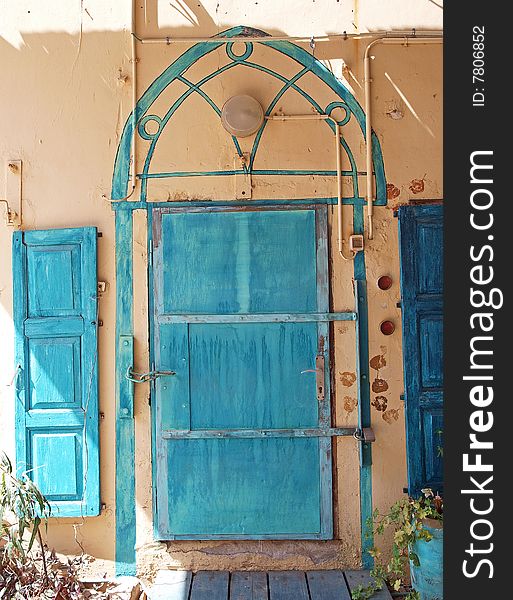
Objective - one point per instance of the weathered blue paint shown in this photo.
(364, 408)
(55, 318)
(327, 585)
(175, 72)
(421, 259)
(125, 427)
(355, 579)
(289, 172)
(256, 433)
(258, 318)
(125, 389)
(428, 578)
(240, 375)
(248, 585)
(212, 204)
(288, 585)
(210, 585)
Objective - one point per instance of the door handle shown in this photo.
(319, 376)
(131, 375)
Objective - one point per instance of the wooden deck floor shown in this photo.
(260, 585)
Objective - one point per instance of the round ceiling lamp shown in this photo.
(242, 115)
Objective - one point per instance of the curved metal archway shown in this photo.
(176, 72)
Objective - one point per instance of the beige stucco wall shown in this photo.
(63, 105)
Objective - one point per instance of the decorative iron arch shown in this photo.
(176, 72)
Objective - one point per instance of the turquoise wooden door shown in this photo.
(421, 247)
(239, 299)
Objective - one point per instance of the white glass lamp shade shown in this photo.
(242, 115)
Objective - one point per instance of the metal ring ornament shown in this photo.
(141, 127)
(333, 105)
(239, 58)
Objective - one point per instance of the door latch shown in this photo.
(319, 376)
(131, 375)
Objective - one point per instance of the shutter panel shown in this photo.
(55, 314)
(421, 247)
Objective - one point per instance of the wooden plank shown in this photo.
(210, 585)
(288, 585)
(356, 578)
(256, 433)
(320, 317)
(327, 585)
(125, 425)
(363, 395)
(171, 585)
(248, 585)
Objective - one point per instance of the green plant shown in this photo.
(23, 509)
(407, 518)
(20, 499)
(25, 574)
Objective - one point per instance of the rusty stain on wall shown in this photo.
(380, 403)
(379, 385)
(349, 403)
(391, 415)
(347, 378)
(392, 191)
(378, 362)
(417, 186)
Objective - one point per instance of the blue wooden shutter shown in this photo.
(55, 316)
(421, 248)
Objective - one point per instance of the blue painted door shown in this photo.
(55, 318)
(237, 299)
(421, 248)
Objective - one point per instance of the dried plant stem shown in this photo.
(45, 568)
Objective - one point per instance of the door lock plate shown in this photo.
(319, 376)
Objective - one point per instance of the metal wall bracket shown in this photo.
(243, 189)
(13, 193)
(126, 387)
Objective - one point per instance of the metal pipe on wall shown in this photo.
(284, 38)
(321, 117)
(397, 40)
(385, 38)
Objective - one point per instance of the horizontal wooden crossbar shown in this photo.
(170, 434)
(259, 318)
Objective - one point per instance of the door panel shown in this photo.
(236, 486)
(217, 275)
(238, 262)
(421, 247)
(239, 378)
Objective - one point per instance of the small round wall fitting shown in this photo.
(385, 282)
(242, 115)
(387, 327)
